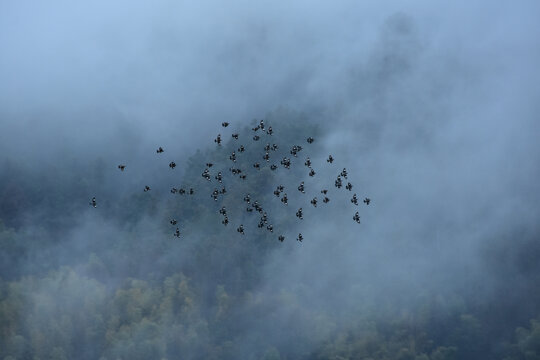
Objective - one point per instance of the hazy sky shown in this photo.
(432, 106)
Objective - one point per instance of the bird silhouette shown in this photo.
(93, 202)
(367, 200)
(121, 167)
(224, 124)
(159, 150)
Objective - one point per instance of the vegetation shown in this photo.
(119, 286)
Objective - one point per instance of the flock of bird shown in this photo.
(278, 192)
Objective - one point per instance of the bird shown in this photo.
(261, 124)
(224, 124)
(284, 199)
(266, 157)
(225, 221)
(172, 164)
(256, 128)
(344, 173)
(367, 200)
(330, 159)
(223, 190)
(267, 147)
(159, 150)
(314, 202)
(310, 140)
(311, 172)
(349, 186)
(270, 131)
(274, 147)
(215, 194)
(308, 162)
(354, 199)
(256, 137)
(177, 233)
(191, 191)
(257, 166)
(299, 238)
(247, 198)
(209, 165)
(235, 136)
(182, 191)
(93, 202)
(146, 188)
(217, 140)
(270, 228)
(301, 188)
(273, 167)
(223, 210)
(121, 167)
(219, 178)
(356, 217)
(326, 200)
(324, 191)
(338, 182)
(233, 156)
(243, 177)
(276, 192)
(173, 190)
(241, 148)
(173, 222)
(281, 238)
(248, 209)
(299, 214)
(281, 188)
(240, 229)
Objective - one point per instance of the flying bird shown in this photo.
(93, 202)
(235, 136)
(159, 150)
(367, 200)
(308, 162)
(172, 164)
(217, 140)
(146, 188)
(241, 148)
(299, 214)
(281, 238)
(256, 137)
(224, 124)
(299, 238)
(121, 167)
(301, 188)
(173, 222)
(354, 199)
(356, 217)
(284, 199)
(330, 159)
(240, 229)
(310, 140)
(270, 131)
(314, 202)
(311, 172)
(177, 233)
(349, 186)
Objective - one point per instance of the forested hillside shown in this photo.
(112, 282)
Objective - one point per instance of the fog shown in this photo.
(432, 108)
